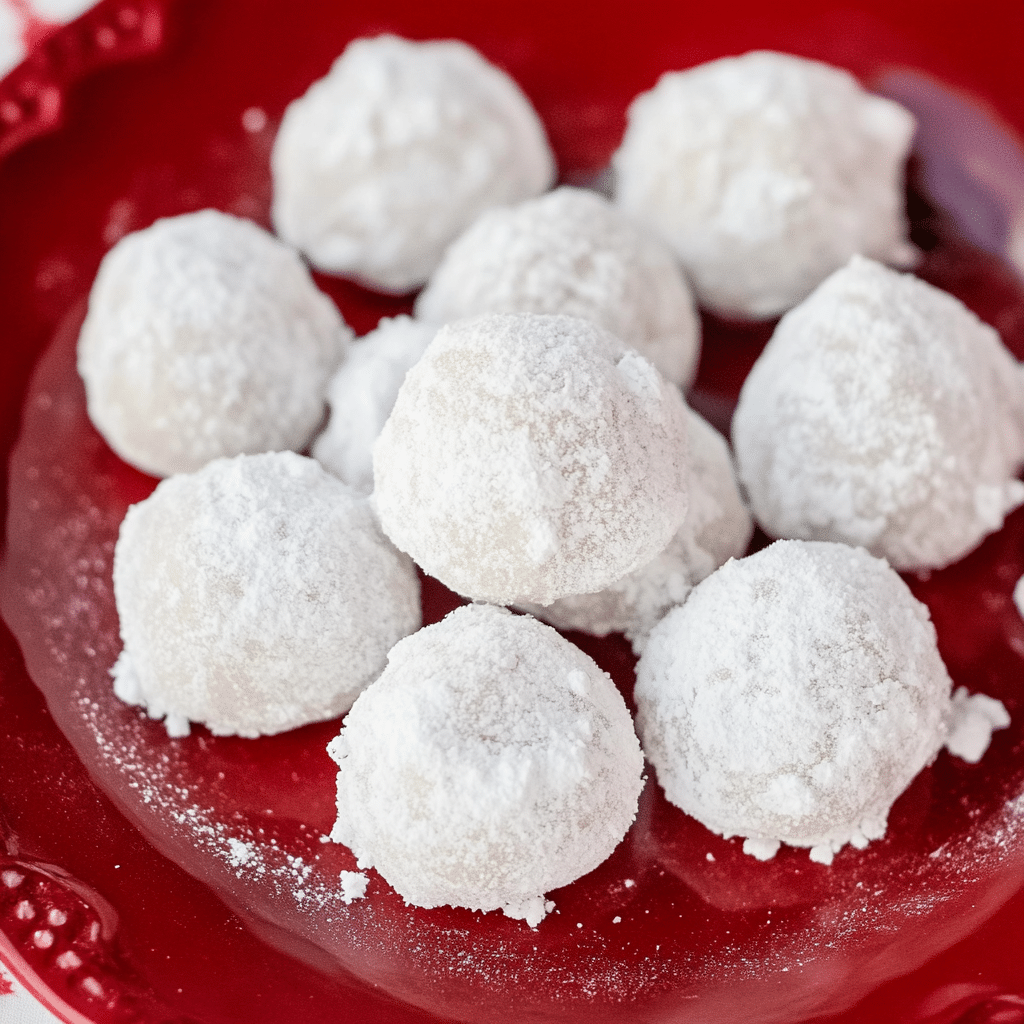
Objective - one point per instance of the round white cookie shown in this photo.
(255, 596)
(529, 457)
(883, 413)
(390, 156)
(490, 763)
(793, 697)
(206, 337)
(765, 173)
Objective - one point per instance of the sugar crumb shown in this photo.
(975, 718)
(353, 885)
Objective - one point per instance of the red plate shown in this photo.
(125, 850)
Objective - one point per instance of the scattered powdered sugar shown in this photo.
(975, 717)
(571, 252)
(883, 413)
(491, 762)
(794, 697)
(240, 853)
(251, 855)
(206, 337)
(765, 173)
(390, 156)
(717, 527)
(353, 885)
(529, 457)
(362, 394)
(255, 596)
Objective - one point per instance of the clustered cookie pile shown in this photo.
(524, 439)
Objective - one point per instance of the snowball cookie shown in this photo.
(255, 596)
(882, 413)
(206, 337)
(571, 252)
(765, 173)
(716, 528)
(529, 457)
(362, 393)
(491, 762)
(793, 697)
(383, 162)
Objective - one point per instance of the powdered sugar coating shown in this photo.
(793, 697)
(717, 527)
(491, 762)
(883, 413)
(391, 155)
(362, 394)
(206, 337)
(255, 596)
(529, 457)
(571, 252)
(765, 173)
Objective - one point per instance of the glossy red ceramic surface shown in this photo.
(124, 849)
